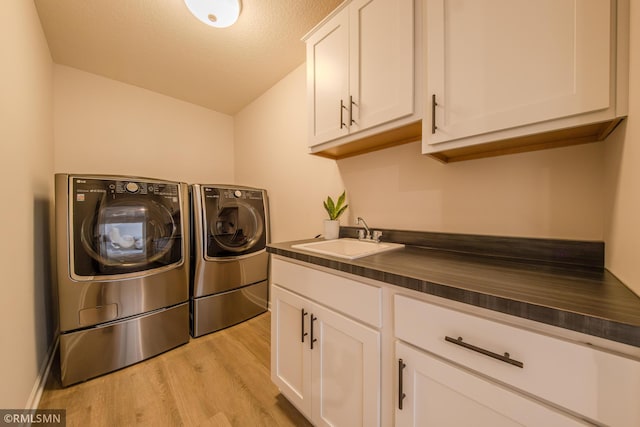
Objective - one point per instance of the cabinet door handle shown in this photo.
(433, 114)
(302, 314)
(351, 104)
(342, 108)
(313, 319)
(503, 358)
(401, 395)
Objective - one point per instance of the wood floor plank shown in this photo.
(221, 379)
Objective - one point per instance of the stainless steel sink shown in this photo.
(348, 248)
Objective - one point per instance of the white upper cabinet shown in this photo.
(328, 80)
(504, 69)
(361, 72)
(381, 74)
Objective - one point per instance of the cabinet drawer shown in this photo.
(439, 393)
(596, 384)
(355, 299)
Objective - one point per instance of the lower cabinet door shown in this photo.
(290, 355)
(325, 364)
(437, 393)
(346, 371)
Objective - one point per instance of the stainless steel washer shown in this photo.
(230, 263)
(123, 271)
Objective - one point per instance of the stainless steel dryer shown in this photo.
(123, 271)
(230, 267)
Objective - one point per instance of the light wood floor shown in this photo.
(221, 379)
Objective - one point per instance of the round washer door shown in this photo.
(119, 233)
(129, 235)
(237, 229)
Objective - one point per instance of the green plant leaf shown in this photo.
(335, 209)
(326, 207)
(341, 211)
(341, 200)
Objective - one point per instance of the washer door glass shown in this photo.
(237, 228)
(129, 236)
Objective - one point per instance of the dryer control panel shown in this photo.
(231, 193)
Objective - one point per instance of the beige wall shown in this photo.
(270, 143)
(106, 127)
(622, 231)
(551, 193)
(26, 166)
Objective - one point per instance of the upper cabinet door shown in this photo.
(360, 70)
(382, 61)
(499, 64)
(328, 80)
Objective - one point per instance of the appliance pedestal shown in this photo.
(219, 311)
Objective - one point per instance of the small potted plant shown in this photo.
(334, 209)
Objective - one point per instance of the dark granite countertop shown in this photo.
(586, 299)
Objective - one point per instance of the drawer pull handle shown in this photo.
(401, 394)
(504, 358)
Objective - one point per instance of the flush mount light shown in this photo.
(217, 13)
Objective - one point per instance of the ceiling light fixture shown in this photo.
(217, 13)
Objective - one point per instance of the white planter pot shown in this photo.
(331, 229)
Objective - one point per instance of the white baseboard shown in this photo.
(43, 375)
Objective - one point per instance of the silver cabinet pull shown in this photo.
(433, 114)
(342, 107)
(351, 104)
(503, 358)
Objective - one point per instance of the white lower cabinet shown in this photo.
(323, 362)
(477, 359)
(437, 393)
(344, 351)
(290, 347)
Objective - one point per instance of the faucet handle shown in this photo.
(377, 234)
(361, 234)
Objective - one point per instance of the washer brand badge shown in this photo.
(81, 181)
(80, 197)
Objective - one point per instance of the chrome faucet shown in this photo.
(361, 233)
(366, 227)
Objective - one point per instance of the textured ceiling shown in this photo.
(158, 45)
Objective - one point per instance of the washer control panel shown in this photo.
(232, 193)
(132, 187)
(115, 189)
